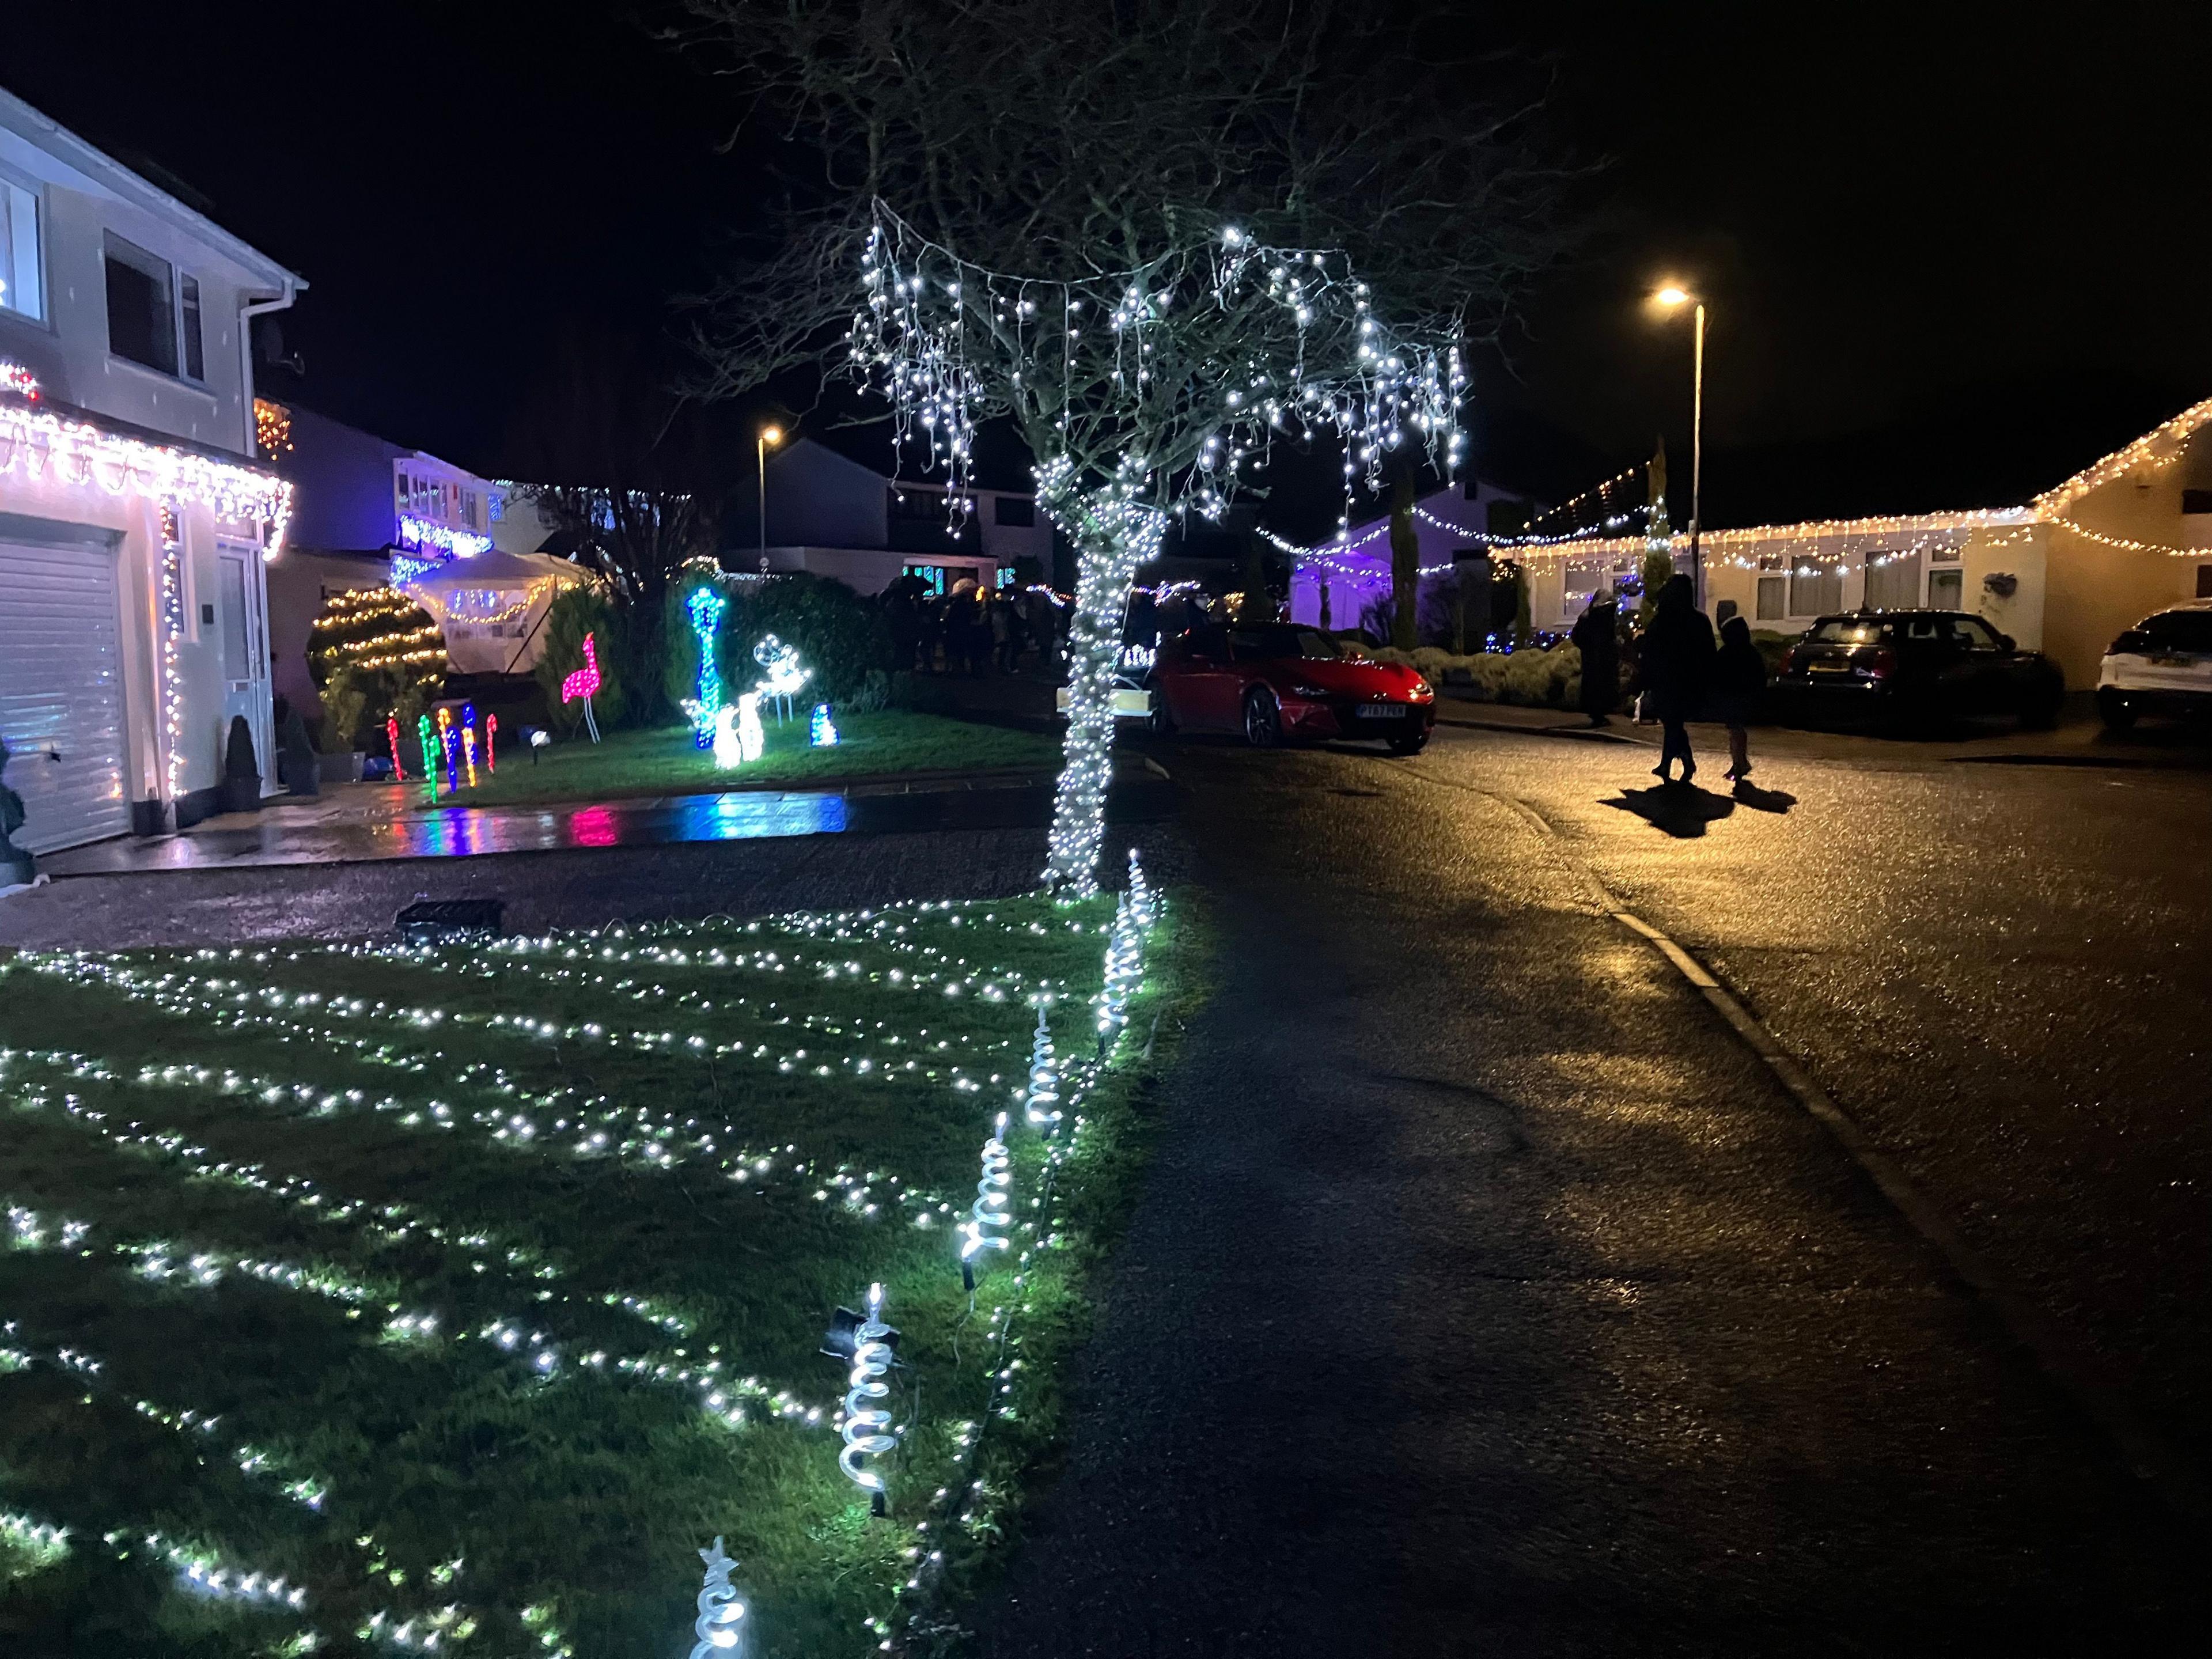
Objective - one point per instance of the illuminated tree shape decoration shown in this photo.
(583, 684)
(1041, 1104)
(1124, 968)
(1144, 899)
(822, 731)
(705, 608)
(866, 1429)
(1141, 390)
(989, 1217)
(721, 1614)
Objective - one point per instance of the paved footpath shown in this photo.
(1484, 1296)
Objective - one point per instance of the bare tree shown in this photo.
(617, 463)
(1157, 235)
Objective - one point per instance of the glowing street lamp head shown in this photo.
(771, 435)
(1673, 296)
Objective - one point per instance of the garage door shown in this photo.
(61, 693)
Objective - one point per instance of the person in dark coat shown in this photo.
(1675, 661)
(1739, 683)
(1596, 636)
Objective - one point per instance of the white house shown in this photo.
(831, 515)
(134, 518)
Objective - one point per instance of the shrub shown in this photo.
(836, 633)
(345, 701)
(574, 613)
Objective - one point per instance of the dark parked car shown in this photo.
(1908, 666)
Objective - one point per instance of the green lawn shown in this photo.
(470, 1291)
(667, 762)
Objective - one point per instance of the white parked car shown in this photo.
(2162, 665)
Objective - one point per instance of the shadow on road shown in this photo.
(1682, 810)
(1764, 800)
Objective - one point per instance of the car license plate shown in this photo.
(1828, 667)
(1380, 711)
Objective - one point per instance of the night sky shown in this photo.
(1949, 260)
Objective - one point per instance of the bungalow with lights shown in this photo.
(2062, 574)
(135, 519)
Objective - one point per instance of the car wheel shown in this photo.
(1410, 743)
(1263, 721)
(2118, 712)
(1162, 721)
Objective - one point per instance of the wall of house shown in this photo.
(2096, 591)
(816, 498)
(344, 499)
(69, 349)
(199, 680)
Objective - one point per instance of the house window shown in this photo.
(22, 287)
(153, 311)
(1018, 511)
(1773, 604)
(2204, 582)
(1815, 588)
(1947, 589)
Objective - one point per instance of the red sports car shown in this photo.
(1280, 681)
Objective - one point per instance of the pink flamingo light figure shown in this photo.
(582, 683)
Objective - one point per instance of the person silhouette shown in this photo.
(1675, 660)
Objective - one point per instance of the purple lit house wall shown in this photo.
(1345, 577)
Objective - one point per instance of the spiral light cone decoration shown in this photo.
(867, 1424)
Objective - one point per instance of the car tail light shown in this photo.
(1788, 662)
(1884, 664)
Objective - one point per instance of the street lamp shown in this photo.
(1671, 298)
(774, 434)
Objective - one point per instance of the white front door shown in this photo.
(61, 692)
(244, 642)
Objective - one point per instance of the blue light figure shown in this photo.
(705, 607)
(822, 731)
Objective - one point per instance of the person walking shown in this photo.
(1739, 683)
(1675, 661)
(1596, 636)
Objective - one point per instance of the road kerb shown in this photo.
(2063, 1360)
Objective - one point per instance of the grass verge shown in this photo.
(356, 1297)
(665, 762)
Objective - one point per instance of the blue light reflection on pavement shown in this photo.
(458, 832)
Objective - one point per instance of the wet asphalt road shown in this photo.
(1486, 1295)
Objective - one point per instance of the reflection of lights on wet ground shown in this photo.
(593, 826)
(742, 817)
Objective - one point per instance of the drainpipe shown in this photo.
(246, 313)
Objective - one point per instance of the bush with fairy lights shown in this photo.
(373, 652)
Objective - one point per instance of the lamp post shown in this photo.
(1669, 298)
(774, 434)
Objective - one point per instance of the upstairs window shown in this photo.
(2197, 501)
(1015, 510)
(153, 313)
(22, 285)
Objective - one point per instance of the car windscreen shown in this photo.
(2178, 630)
(1847, 630)
(1263, 643)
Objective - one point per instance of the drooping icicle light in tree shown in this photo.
(1143, 391)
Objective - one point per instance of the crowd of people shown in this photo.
(969, 629)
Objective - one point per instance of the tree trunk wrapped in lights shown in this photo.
(1124, 231)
